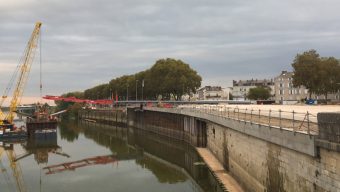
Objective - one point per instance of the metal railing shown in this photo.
(290, 120)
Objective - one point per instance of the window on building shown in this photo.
(281, 85)
(281, 92)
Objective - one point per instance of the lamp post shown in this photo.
(127, 93)
(111, 97)
(136, 89)
(142, 90)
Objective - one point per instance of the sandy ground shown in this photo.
(293, 117)
(313, 109)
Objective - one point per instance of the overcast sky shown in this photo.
(88, 42)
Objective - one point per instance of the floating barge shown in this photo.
(41, 121)
(36, 125)
(9, 132)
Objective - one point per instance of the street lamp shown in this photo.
(127, 93)
(136, 88)
(142, 89)
(111, 97)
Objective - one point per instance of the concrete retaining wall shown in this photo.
(260, 157)
(266, 158)
(297, 141)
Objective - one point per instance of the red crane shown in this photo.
(76, 100)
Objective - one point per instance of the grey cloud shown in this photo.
(86, 41)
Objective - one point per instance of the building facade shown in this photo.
(285, 92)
(241, 88)
(212, 93)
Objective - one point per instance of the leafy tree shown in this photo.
(98, 92)
(62, 105)
(259, 93)
(328, 75)
(305, 70)
(168, 78)
(318, 75)
(173, 78)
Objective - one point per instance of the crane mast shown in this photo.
(24, 70)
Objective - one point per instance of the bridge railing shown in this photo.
(291, 120)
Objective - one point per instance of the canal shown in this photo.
(85, 156)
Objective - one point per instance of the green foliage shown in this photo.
(168, 78)
(62, 105)
(172, 78)
(259, 93)
(320, 75)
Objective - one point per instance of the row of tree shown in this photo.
(166, 79)
(320, 75)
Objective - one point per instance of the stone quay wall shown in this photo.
(259, 157)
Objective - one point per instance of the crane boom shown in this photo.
(24, 70)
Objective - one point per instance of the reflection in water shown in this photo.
(69, 130)
(40, 144)
(73, 165)
(157, 151)
(107, 158)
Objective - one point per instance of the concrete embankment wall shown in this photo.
(260, 157)
(177, 126)
(264, 158)
(111, 117)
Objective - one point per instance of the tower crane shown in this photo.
(22, 71)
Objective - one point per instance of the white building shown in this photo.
(285, 92)
(213, 93)
(241, 88)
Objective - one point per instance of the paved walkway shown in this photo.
(217, 169)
